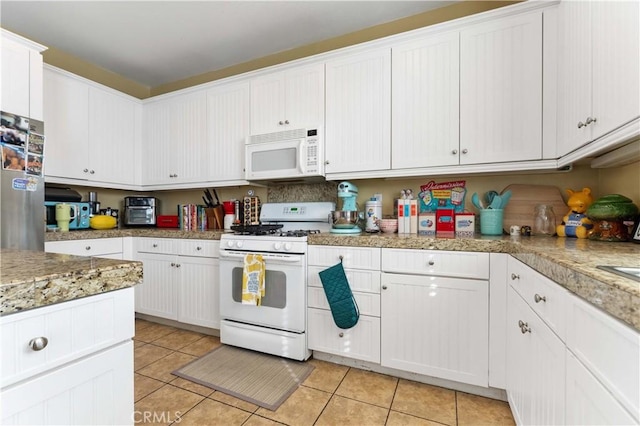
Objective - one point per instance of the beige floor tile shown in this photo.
(302, 408)
(166, 405)
(209, 412)
(326, 376)
(369, 387)
(138, 344)
(140, 324)
(153, 332)
(234, 402)
(148, 354)
(400, 419)
(143, 386)
(256, 420)
(425, 401)
(161, 369)
(201, 346)
(345, 411)
(177, 339)
(477, 410)
(192, 386)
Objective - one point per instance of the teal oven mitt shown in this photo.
(336, 287)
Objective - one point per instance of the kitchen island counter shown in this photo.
(132, 232)
(32, 279)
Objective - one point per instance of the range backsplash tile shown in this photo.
(325, 191)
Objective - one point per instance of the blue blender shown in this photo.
(345, 221)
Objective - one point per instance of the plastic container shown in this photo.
(491, 221)
(373, 212)
(544, 221)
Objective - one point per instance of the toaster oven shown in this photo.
(140, 211)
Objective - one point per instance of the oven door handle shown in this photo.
(289, 258)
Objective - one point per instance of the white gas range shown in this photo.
(278, 325)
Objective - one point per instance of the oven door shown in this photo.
(283, 306)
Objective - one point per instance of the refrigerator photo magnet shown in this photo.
(13, 157)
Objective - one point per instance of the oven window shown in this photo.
(275, 283)
(140, 214)
(278, 159)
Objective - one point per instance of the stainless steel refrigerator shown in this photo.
(22, 219)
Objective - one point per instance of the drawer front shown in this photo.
(359, 280)
(434, 262)
(545, 297)
(73, 329)
(199, 248)
(608, 348)
(360, 342)
(352, 257)
(368, 303)
(90, 247)
(156, 245)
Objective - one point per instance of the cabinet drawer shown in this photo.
(368, 303)
(200, 248)
(360, 342)
(434, 262)
(608, 348)
(545, 297)
(359, 280)
(90, 247)
(352, 257)
(156, 245)
(73, 329)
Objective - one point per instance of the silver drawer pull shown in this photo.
(198, 248)
(431, 263)
(341, 257)
(515, 277)
(155, 245)
(38, 343)
(87, 248)
(384, 287)
(341, 334)
(539, 298)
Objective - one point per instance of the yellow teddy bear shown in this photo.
(575, 223)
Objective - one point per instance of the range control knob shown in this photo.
(277, 246)
(229, 243)
(239, 244)
(288, 246)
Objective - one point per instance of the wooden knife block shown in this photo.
(215, 217)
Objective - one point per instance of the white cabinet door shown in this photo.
(198, 291)
(436, 326)
(66, 106)
(501, 90)
(15, 77)
(112, 151)
(95, 390)
(228, 128)
(174, 149)
(286, 100)
(535, 367)
(425, 102)
(358, 112)
(588, 401)
(158, 293)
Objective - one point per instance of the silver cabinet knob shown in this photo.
(286, 121)
(87, 248)
(92, 172)
(280, 123)
(431, 263)
(524, 327)
(85, 170)
(38, 343)
(173, 264)
(384, 287)
(175, 175)
(341, 257)
(515, 277)
(539, 298)
(464, 151)
(177, 265)
(326, 162)
(581, 124)
(590, 120)
(198, 248)
(155, 245)
(454, 152)
(341, 334)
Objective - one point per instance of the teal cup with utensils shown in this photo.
(491, 221)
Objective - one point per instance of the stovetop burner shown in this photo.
(299, 233)
(256, 229)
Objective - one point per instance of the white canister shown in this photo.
(228, 221)
(373, 212)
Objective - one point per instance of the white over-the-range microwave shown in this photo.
(290, 155)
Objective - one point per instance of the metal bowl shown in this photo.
(345, 219)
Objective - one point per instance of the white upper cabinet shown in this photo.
(358, 112)
(228, 128)
(290, 99)
(21, 76)
(598, 68)
(175, 133)
(426, 102)
(91, 132)
(501, 90)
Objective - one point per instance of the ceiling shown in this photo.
(159, 42)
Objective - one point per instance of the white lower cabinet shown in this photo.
(84, 373)
(436, 326)
(362, 268)
(180, 280)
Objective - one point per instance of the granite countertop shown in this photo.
(32, 279)
(570, 262)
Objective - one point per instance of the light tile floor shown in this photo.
(332, 395)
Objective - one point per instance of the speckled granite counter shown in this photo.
(32, 279)
(568, 261)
